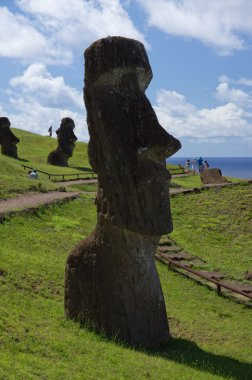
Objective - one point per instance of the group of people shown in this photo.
(194, 164)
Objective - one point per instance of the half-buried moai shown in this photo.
(212, 176)
(8, 140)
(111, 278)
(66, 143)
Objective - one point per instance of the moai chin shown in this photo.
(66, 143)
(8, 140)
(111, 279)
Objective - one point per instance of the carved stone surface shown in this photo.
(111, 278)
(212, 176)
(66, 143)
(8, 140)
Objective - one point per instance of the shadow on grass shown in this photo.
(83, 169)
(22, 160)
(188, 353)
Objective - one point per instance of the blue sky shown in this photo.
(200, 52)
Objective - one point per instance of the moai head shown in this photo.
(66, 143)
(66, 137)
(128, 146)
(8, 140)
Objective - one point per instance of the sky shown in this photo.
(200, 53)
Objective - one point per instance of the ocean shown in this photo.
(239, 167)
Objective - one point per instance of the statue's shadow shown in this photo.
(22, 160)
(81, 168)
(188, 353)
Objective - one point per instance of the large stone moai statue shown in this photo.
(66, 143)
(111, 278)
(8, 140)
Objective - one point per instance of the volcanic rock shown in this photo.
(66, 143)
(111, 279)
(8, 140)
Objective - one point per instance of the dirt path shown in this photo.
(33, 200)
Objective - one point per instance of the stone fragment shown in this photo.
(66, 143)
(111, 278)
(8, 140)
(209, 176)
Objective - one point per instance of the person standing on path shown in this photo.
(206, 165)
(187, 167)
(200, 164)
(194, 164)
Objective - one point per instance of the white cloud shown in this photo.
(52, 30)
(34, 117)
(38, 99)
(182, 119)
(37, 81)
(214, 140)
(242, 80)
(218, 23)
(20, 39)
(226, 94)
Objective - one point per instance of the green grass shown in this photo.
(211, 335)
(33, 151)
(188, 182)
(191, 181)
(216, 225)
(14, 181)
(85, 187)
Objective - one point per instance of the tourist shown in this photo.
(187, 167)
(194, 165)
(200, 164)
(33, 174)
(206, 165)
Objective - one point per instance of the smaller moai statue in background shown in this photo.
(8, 140)
(66, 143)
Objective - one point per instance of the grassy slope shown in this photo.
(33, 151)
(211, 335)
(217, 226)
(13, 180)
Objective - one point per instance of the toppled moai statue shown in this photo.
(8, 140)
(212, 176)
(66, 143)
(111, 278)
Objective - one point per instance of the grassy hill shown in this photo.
(33, 150)
(216, 225)
(211, 335)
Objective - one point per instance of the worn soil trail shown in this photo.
(78, 182)
(33, 200)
